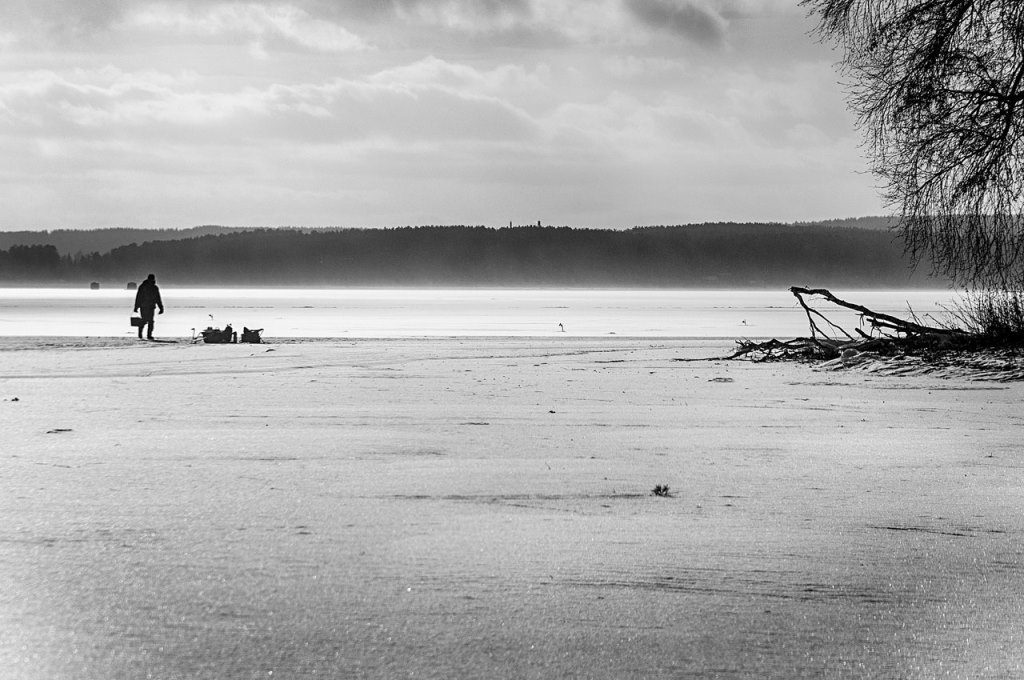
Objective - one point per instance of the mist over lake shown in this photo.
(434, 312)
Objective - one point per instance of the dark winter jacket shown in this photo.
(148, 295)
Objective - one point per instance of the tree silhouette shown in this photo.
(938, 88)
(705, 256)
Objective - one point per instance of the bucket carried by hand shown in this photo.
(136, 321)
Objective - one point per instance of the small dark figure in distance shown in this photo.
(147, 299)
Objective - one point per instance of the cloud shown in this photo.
(282, 22)
(465, 15)
(688, 19)
(153, 108)
(607, 112)
(63, 20)
(314, 25)
(344, 25)
(773, 8)
(505, 81)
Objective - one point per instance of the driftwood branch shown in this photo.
(893, 347)
(894, 335)
(811, 313)
(876, 319)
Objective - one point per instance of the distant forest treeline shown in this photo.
(708, 256)
(78, 241)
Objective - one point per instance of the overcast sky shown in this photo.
(603, 113)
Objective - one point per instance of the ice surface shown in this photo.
(481, 508)
(369, 313)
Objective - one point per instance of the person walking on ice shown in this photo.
(147, 299)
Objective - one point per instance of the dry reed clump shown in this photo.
(997, 317)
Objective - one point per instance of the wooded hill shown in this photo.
(79, 241)
(691, 256)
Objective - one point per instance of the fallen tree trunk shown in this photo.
(893, 346)
(889, 335)
(876, 319)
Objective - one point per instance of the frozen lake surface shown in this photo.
(483, 508)
(397, 313)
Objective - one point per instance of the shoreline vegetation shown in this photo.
(981, 339)
(846, 253)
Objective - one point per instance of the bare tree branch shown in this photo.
(937, 87)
